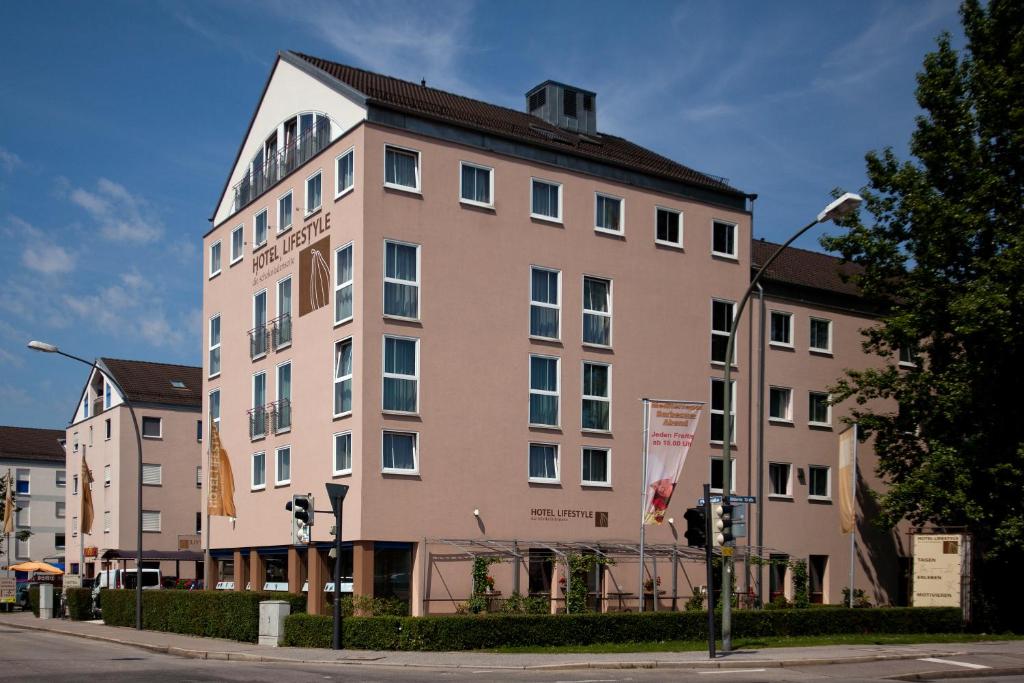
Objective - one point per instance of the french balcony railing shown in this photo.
(259, 339)
(261, 178)
(281, 331)
(280, 414)
(257, 422)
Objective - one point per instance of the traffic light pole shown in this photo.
(711, 576)
(336, 493)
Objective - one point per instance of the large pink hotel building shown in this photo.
(455, 308)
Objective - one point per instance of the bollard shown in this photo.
(272, 616)
(46, 601)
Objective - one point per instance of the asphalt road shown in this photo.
(33, 655)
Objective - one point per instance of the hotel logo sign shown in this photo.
(280, 256)
(600, 518)
(314, 276)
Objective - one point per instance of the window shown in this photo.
(259, 471)
(107, 428)
(215, 408)
(780, 404)
(23, 515)
(23, 482)
(61, 479)
(151, 427)
(597, 467)
(199, 476)
(199, 522)
(215, 259)
(597, 396)
(907, 357)
(781, 328)
(608, 214)
(342, 377)
(399, 453)
(401, 280)
(716, 475)
(74, 441)
(723, 239)
(779, 479)
(284, 212)
(85, 404)
(821, 335)
(281, 335)
(345, 173)
(152, 474)
(343, 453)
(259, 231)
(60, 509)
(107, 394)
(106, 521)
(59, 541)
(817, 570)
(199, 431)
(819, 481)
(151, 520)
(215, 346)
(313, 192)
(283, 407)
(237, 244)
(544, 463)
(401, 168)
(597, 311)
(721, 325)
(476, 184)
(545, 294)
(343, 284)
(819, 411)
(258, 415)
(718, 411)
(283, 469)
(258, 336)
(544, 391)
(777, 583)
(21, 549)
(668, 226)
(546, 200)
(106, 475)
(401, 360)
(74, 485)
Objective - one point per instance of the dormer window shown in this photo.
(569, 103)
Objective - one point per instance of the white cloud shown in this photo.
(121, 215)
(9, 160)
(48, 259)
(8, 358)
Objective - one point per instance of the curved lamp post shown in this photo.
(838, 208)
(50, 348)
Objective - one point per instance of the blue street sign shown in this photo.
(741, 499)
(714, 499)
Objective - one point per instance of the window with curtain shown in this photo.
(214, 353)
(544, 391)
(343, 275)
(314, 195)
(399, 452)
(721, 326)
(343, 453)
(546, 200)
(259, 233)
(283, 411)
(608, 213)
(475, 185)
(543, 462)
(284, 212)
(597, 311)
(237, 243)
(544, 303)
(346, 171)
(597, 401)
(401, 280)
(401, 168)
(596, 466)
(821, 335)
(343, 377)
(400, 374)
(283, 469)
(668, 227)
(819, 411)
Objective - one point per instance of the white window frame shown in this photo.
(106, 521)
(591, 397)
(266, 233)
(279, 312)
(278, 481)
(418, 281)
(561, 197)
(622, 214)
(23, 515)
(788, 417)
(159, 522)
(906, 363)
(735, 239)
(253, 486)
(819, 349)
(22, 474)
(590, 483)
(281, 227)
(668, 243)
(338, 194)
(415, 453)
(108, 394)
(417, 189)
(214, 347)
(828, 483)
(107, 429)
(235, 258)
(713, 411)
(784, 344)
(558, 464)
(788, 495)
(392, 375)
(557, 393)
(277, 392)
(587, 311)
(60, 509)
(349, 283)
(107, 475)
(159, 471)
(61, 479)
(266, 317)
(142, 426)
(543, 304)
(828, 407)
(720, 333)
(715, 461)
(351, 455)
(490, 176)
(349, 377)
(220, 259)
(306, 210)
(214, 421)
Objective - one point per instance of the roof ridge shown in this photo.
(806, 251)
(36, 429)
(151, 362)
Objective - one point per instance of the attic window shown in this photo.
(569, 103)
(177, 384)
(538, 99)
(588, 103)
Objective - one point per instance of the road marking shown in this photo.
(591, 680)
(732, 671)
(967, 665)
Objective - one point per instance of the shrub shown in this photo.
(213, 614)
(533, 604)
(695, 603)
(779, 602)
(859, 598)
(79, 603)
(33, 599)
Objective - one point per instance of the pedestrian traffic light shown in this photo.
(696, 527)
(301, 507)
(721, 524)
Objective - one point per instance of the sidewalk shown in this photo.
(212, 648)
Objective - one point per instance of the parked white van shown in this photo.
(125, 578)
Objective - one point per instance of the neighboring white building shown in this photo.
(35, 459)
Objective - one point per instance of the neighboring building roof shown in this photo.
(28, 443)
(147, 382)
(420, 100)
(805, 268)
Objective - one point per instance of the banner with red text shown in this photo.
(670, 429)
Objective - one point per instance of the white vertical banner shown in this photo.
(670, 429)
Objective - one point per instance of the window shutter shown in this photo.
(151, 520)
(151, 474)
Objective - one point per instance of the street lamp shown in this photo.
(50, 348)
(836, 209)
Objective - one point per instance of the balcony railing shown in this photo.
(281, 331)
(257, 422)
(280, 414)
(259, 179)
(259, 338)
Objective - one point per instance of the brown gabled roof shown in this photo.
(27, 443)
(805, 268)
(420, 100)
(147, 382)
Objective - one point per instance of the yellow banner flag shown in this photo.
(847, 480)
(221, 501)
(87, 513)
(9, 505)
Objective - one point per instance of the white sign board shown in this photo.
(8, 588)
(72, 581)
(938, 568)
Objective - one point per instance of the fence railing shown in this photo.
(262, 177)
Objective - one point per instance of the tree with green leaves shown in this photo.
(943, 258)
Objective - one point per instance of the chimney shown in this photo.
(565, 106)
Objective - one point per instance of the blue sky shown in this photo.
(119, 121)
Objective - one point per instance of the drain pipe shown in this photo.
(760, 445)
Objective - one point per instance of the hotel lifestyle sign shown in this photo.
(938, 570)
(280, 256)
(670, 429)
(599, 518)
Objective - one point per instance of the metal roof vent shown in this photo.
(565, 106)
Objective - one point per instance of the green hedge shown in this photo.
(79, 603)
(33, 599)
(496, 630)
(213, 614)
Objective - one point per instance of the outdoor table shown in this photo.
(621, 595)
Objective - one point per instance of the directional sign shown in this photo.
(740, 499)
(714, 499)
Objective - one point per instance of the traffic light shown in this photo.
(301, 507)
(721, 524)
(696, 527)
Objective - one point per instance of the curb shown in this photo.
(958, 673)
